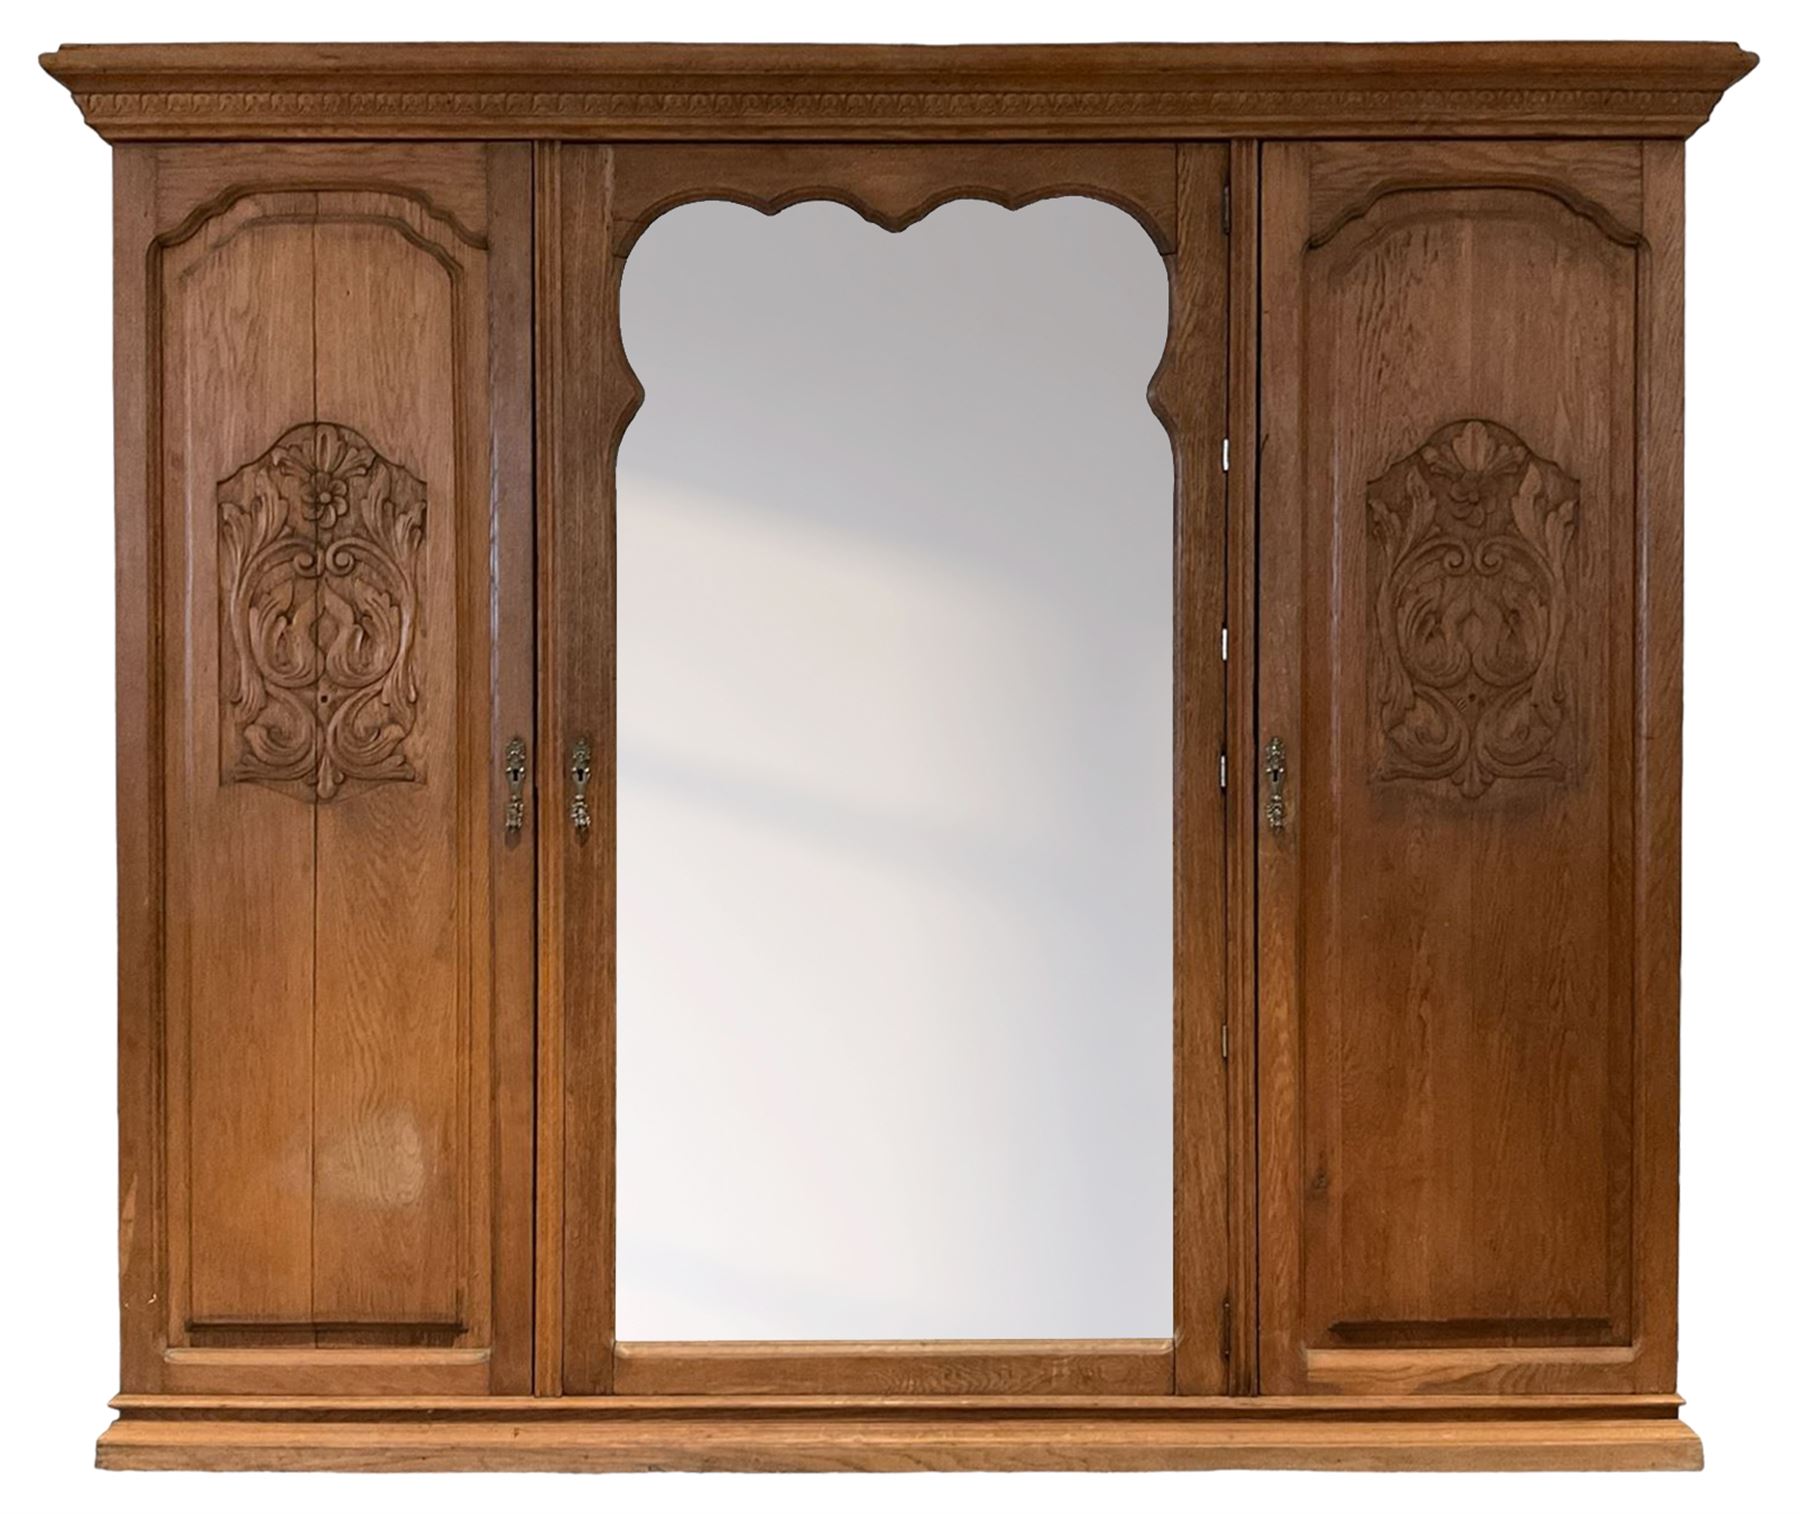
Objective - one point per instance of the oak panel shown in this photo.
(1189, 393)
(1452, 343)
(1656, 738)
(1599, 180)
(143, 1003)
(322, 1015)
(586, 396)
(398, 882)
(895, 1367)
(508, 604)
(895, 185)
(235, 339)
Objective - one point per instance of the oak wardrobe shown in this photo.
(1421, 396)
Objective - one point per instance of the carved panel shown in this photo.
(1471, 539)
(319, 594)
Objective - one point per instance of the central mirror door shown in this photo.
(912, 934)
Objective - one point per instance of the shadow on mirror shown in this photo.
(894, 803)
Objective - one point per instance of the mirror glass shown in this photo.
(894, 784)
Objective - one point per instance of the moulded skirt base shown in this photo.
(765, 1433)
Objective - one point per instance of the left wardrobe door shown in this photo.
(325, 653)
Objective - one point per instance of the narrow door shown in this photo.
(326, 648)
(1469, 730)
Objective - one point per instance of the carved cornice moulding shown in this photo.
(639, 92)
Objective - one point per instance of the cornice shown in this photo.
(631, 92)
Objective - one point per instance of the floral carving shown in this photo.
(319, 543)
(1471, 541)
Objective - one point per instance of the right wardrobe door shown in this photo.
(1469, 718)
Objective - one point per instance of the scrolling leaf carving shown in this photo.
(1471, 538)
(319, 543)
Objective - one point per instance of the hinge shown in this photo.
(1224, 1041)
(1225, 454)
(1221, 772)
(1225, 208)
(1224, 643)
(1225, 1329)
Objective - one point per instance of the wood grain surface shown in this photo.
(939, 1433)
(595, 203)
(618, 92)
(1454, 347)
(323, 1012)
(1427, 1033)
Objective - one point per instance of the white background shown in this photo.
(57, 1302)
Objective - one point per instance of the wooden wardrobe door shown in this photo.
(1470, 650)
(327, 1072)
(595, 201)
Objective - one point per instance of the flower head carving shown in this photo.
(317, 470)
(319, 590)
(1471, 537)
(1471, 467)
